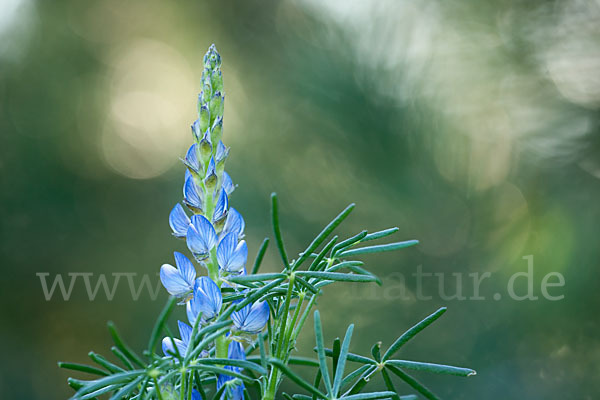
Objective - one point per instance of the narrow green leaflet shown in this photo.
(378, 249)
(412, 332)
(429, 367)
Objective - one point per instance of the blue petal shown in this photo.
(232, 393)
(201, 236)
(179, 221)
(236, 352)
(211, 167)
(191, 196)
(196, 129)
(222, 152)
(232, 255)
(169, 350)
(235, 223)
(228, 183)
(185, 331)
(186, 268)
(173, 281)
(191, 158)
(221, 206)
(207, 300)
(196, 395)
(251, 319)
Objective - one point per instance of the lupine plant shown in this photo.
(239, 341)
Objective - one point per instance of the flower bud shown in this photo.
(216, 132)
(216, 80)
(197, 130)
(216, 105)
(205, 147)
(210, 181)
(204, 117)
(212, 59)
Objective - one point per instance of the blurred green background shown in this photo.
(472, 126)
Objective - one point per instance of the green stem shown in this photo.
(183, 385)
(158, 392)
(282, 337)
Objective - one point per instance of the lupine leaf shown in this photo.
(126, 350)
(125, 390)
(344, 264)
(323, 235)
(223, 371)
(353, 357)
(160, 323)
(376, 351)
(314, 265)
(121, 357)
(362, 381)
(98, 392)
(336, 276)
(415, 384)
(277, 230)
(98, 359)
(348, 242)
(255, 295)
(388, 381)
(321, 351)
(255, 278)
(378, 249)
(82, 368)
(92, 386)
(260, 255)
(354, 374)
(374, 395)
(409, 334)
(335, 357)
(296, 379)
(234, 363)
(339, 373)
(307, 285)
(380, 234)
(429, 367)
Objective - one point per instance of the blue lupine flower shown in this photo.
(179, 221)
(234, 224)
(201, 236)
(178, 281)
(234, 352)
(207, 300)
(221, 153)
(232, 255)
(196, 395)
(191, 159)
(197, 129)
(192, 197)
(252, 318)
(228, 183)
(221, 207)
(211, 175)
(185, 331)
